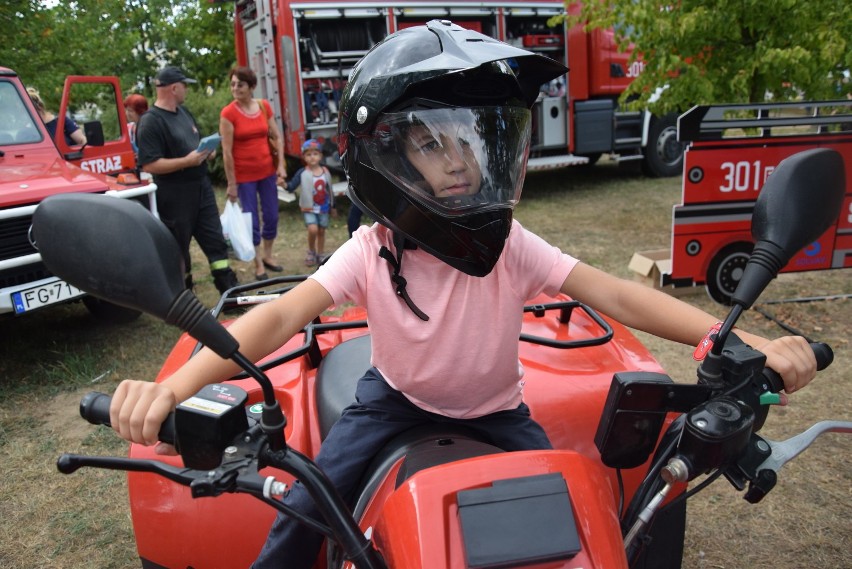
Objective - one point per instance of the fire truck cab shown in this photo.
(303, 51)
(35, 164)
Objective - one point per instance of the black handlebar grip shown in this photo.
(824, 356)
(94, 407)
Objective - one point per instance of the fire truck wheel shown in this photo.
(726, 270)
(109, 312)
(664, 154)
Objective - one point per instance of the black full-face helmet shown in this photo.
(434, 134)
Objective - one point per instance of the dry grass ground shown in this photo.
(602, 215)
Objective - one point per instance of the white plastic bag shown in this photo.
(236, 226)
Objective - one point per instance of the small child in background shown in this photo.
(316, 200)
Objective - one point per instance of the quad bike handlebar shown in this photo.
(231, 464)
(716, 436)
(238, 460)
(824, 357)
(94, 406)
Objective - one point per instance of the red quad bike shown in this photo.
(627, 438)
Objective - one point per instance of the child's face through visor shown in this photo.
(454, 160)
(444, 157)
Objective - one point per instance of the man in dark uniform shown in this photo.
(168, 140)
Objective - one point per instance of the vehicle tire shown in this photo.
(109, 312)
(726, 270)
(664, 154)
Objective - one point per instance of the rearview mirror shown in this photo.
(116, 250)
(798, 202)
(94, 132)
(111, 248)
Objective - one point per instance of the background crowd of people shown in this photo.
(165, 138)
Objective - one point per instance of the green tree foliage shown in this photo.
(45, 42)
(132, 39)
(731, 51)
(27, 48)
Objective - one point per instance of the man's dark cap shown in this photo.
(170, 75)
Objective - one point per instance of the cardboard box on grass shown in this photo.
(649, 267)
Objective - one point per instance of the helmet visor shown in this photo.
(454, 161)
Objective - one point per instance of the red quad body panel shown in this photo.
(426, 506)
(416, 524)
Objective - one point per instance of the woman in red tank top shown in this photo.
(248, 129)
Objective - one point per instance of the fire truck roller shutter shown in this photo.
(340, 43)
(345, 35)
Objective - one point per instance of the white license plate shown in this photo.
(51, 293)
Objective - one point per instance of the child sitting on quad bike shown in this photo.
(434, 135)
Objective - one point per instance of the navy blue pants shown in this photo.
(378, 414)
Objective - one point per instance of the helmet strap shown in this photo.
(396, 278)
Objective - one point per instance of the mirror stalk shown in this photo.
(272, 419)
(191, 316)
(188, 314)
(765, 263)
(725, 330)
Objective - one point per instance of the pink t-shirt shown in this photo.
(462, 362)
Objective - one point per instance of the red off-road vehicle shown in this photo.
(33, 166)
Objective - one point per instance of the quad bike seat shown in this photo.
(337, 378)
(421, 447)
(418, 448)
(431, 445)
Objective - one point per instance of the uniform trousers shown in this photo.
(189, 210)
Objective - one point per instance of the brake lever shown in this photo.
(237, 472)
(68, 463)
(785, 451)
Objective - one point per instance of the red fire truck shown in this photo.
(303, 51)
(33, 166)
(732, 150)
